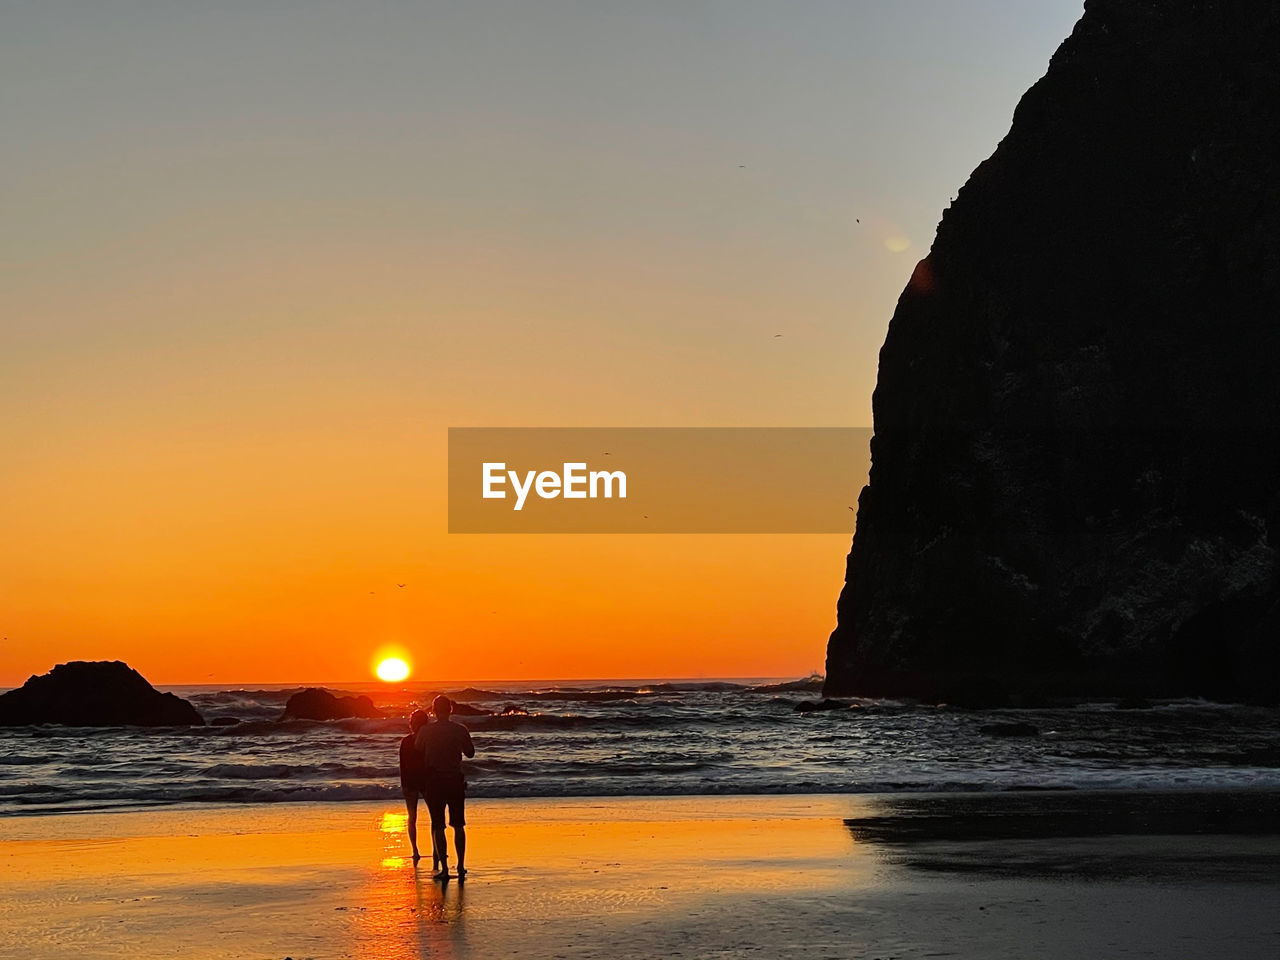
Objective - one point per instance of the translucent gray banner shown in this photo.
(656, 479)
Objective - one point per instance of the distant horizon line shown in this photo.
(471, 681)
(458, 682)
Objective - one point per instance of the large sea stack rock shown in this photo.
(94, 694)
(316, 703)
(1075, 484)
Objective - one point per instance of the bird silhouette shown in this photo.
(400, 584)
(776, 336)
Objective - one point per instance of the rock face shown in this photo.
(1074, 484)
(467, 710)
(94, 694)
(315, 703)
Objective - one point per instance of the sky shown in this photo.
(258, 257)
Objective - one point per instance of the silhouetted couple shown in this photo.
(431, 768)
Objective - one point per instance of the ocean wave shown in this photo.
(283, 728)
(285, 771)
(8, 790)
(641, 721)
(243, 698)
(41, 798)
(125, 768)
(468, 694)
(630, 739)
(161, 794)
(810, 684)
(586, 696)
(522, 721)
(644, 768)
(45, 800)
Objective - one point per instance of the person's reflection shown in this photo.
(439, 917)
(438, 903)
(408, 916)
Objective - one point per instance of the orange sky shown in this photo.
(257, 261)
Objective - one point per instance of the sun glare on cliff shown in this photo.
(392, 670)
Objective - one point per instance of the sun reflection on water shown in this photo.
(393, 822)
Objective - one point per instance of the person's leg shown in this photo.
(411, 804)
(441, 844)
(435, 853)
(440, 848)
(458, 820)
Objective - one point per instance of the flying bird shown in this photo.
(399, 584)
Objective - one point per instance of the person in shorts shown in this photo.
(443, 743)
(413, 782)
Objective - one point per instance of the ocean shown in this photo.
(617, 738)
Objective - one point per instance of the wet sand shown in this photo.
(804, 877)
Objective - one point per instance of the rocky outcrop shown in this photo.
(315, 703)
(94, 694)
(1077, 418)
(467, 710)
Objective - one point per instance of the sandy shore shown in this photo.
(805, 877)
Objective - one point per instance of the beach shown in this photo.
(822, 876)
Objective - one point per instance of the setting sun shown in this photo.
(392, 670)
